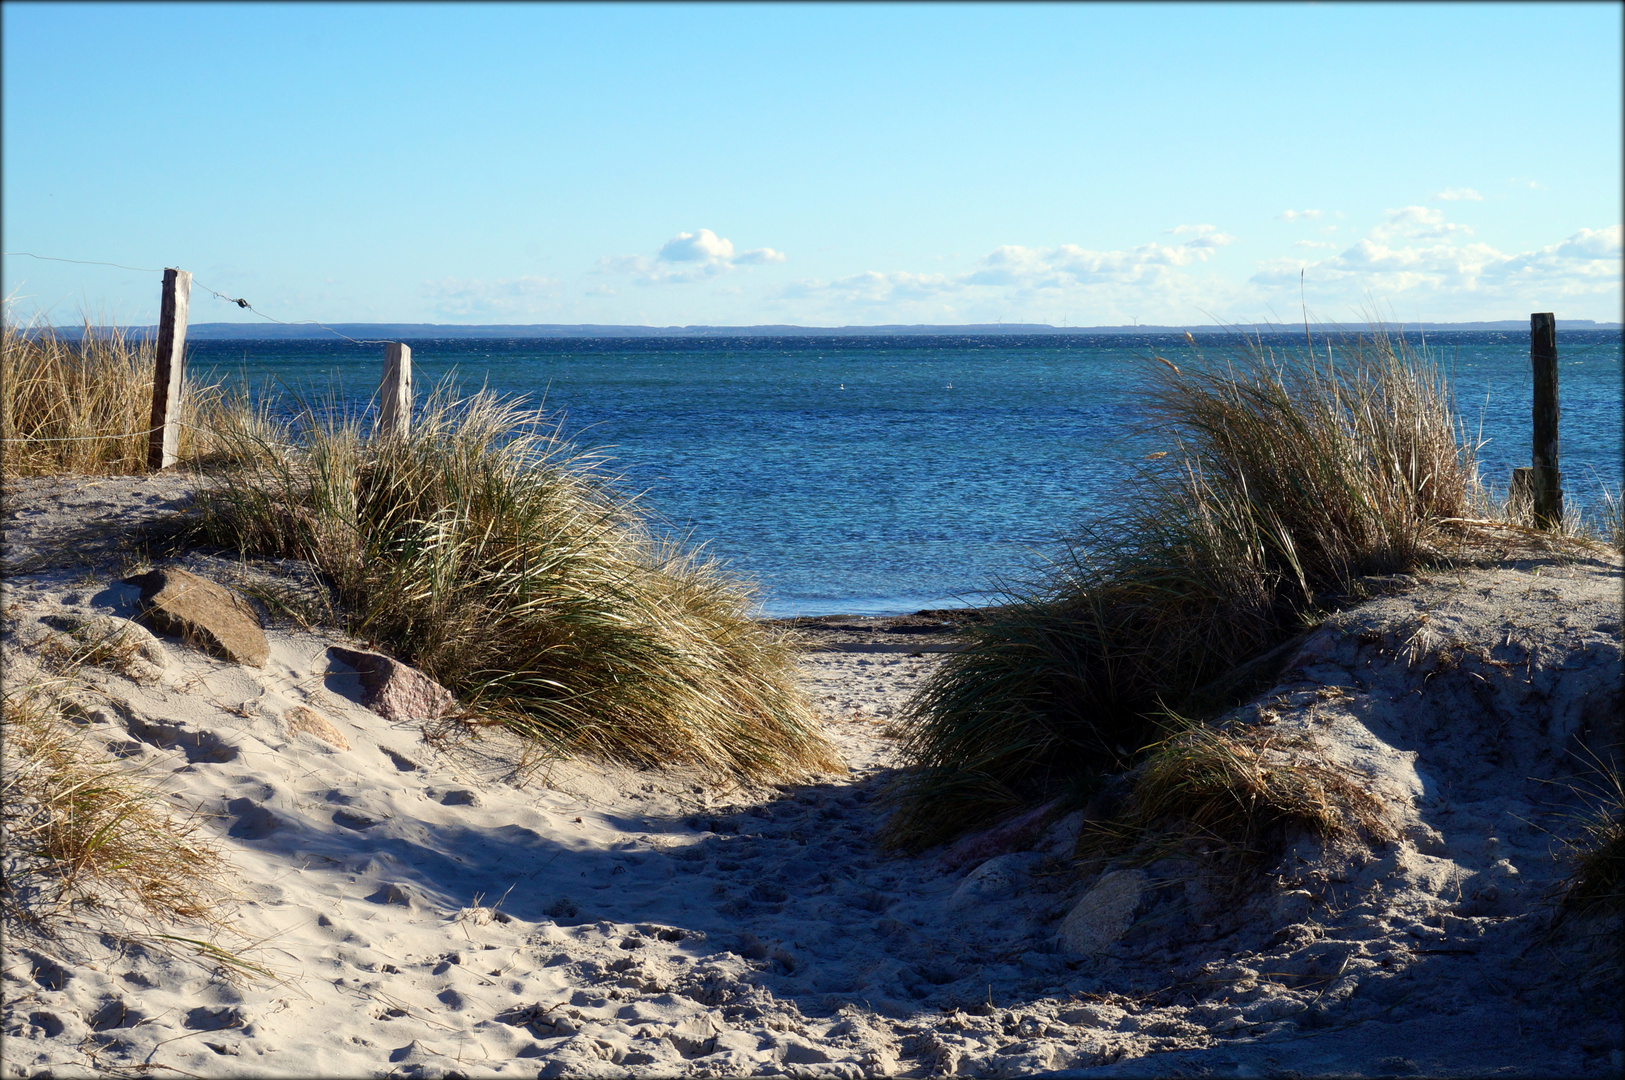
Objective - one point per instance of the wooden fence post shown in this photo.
(395, 392)
(1548, 481)
(169, 371)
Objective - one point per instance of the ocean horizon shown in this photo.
(309, 330)
(886, 473)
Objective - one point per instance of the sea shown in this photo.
(888, 474)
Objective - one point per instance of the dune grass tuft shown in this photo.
(1235, 793)
(482, 549)
(1599, 879)
(1611, 526)
(84, 406)
(84, 831)
(1596, 856)
(1282, 477)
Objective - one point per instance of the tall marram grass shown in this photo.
(92, 845)
(481, 549)
(85, 406)
(1280, 478)
(84, 832)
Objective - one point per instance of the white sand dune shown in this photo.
(462, 908)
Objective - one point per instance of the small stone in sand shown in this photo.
(310, 722)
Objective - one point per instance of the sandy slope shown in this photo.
(458, 908)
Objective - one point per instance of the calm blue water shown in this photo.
(887, 474)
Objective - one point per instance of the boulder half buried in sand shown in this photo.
(210, 616)
(394, 690)
(1105, 913)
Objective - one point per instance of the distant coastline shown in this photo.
(245, 331)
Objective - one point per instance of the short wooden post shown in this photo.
(1521, 495)
(1548, 481)
(395, 392)
(169, 371)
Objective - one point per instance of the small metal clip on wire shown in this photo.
(239, 301)
(228, 299)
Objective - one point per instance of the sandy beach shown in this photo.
(437, 902)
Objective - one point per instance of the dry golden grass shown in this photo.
(1233, 794)
(86, 832)
(85, 406)
(481, 549)
(1284, 477)
(1605, 527)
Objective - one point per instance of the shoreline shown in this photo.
(259, 331)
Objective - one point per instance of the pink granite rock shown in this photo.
(394, 690)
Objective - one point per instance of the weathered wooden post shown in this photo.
(395, 392)
(1547, 480)
(169, 371)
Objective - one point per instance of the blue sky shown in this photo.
(817, 164)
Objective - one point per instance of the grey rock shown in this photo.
(995, 879)
(1290, 907)
(391, 893)
(1061, 838)
(210, 616)
(1106, 912)
(394, 690)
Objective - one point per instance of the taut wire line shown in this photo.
(239, 301)
(85, 262)
(88, 438)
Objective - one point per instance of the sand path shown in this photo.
(456, 908)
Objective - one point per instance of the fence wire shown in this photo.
(239, 301)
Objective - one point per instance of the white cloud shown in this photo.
(687, 257)
(873, 287)
(1584, 262)
(1294, 215)
(1417, 259)
(702, 246)
(1071, 264)
(1417, 223)
(494, 299)
(1203, 236)
(756, 256)
(1415, 255)
(1459, 194)
(1012, 279)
